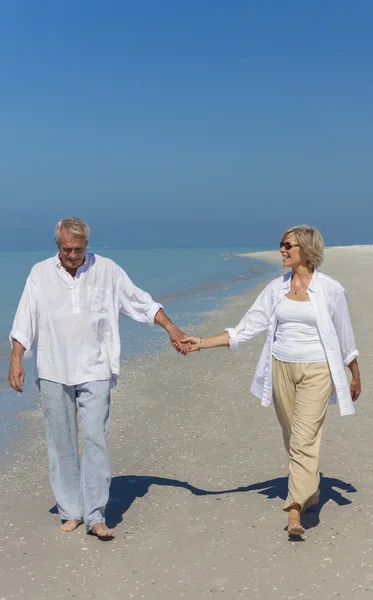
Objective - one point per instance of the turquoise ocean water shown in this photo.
(189, 282)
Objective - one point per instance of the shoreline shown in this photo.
(144, 346)
(32, 415)
(199, 477)
(240, 300)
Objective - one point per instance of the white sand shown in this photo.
(184, 427)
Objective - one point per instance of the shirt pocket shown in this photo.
(98, 299)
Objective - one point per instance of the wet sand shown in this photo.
(199, 483)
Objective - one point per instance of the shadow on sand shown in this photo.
(125, 489)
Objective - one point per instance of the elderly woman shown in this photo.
(309, 343)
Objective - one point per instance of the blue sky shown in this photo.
(200, 123)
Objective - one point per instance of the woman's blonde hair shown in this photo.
(311, 244)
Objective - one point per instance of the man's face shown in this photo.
(72, 250)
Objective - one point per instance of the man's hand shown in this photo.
(176, 335)
(355, 388)
(174, 332)
(16, 375)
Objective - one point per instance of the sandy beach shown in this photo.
(199, 480)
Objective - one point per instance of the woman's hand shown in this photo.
(355, 388)
(197, 343)
(193, 343)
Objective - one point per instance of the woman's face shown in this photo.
(290, 251)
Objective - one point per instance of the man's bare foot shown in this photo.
(294, 526)
(101, 530)
(69, 526)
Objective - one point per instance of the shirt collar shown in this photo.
(312, 285)
(84, 267)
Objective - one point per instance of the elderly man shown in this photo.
(68, 315)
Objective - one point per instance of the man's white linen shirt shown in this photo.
(72, 323)
(329, 302)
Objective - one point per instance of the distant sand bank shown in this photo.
(336, 251)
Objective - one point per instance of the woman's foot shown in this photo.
(294, 526)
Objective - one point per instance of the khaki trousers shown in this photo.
(301, 392)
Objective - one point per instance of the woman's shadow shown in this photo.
(331, 488)
(126, 488)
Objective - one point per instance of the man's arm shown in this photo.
(16, 375)
(140, 306)
(23, 333)
(176, 335)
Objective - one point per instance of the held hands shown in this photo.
(186, 345)
(179, 341)
(194, 343)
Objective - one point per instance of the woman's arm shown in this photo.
(355, 386)
(354, 368)
(343, 327)
(345, 333)
(255, 322)
(198, 343)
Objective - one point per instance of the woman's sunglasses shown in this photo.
(288, 245)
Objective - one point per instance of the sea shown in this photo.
(190, 283)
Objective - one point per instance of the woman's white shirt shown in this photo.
(297, 339)
(329, 302)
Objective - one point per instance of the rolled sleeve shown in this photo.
(25, 321)
(153, 309)
(350, 357)
(23, 340)
(233, 338)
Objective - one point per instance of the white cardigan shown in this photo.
(329, 301)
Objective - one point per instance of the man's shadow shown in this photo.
(126, 488)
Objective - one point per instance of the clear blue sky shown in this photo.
(200, 122)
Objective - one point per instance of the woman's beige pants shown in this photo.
(301, 392)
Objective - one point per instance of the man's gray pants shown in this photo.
(81, 490)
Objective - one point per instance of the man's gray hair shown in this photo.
(75, 228)
(310, 242)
